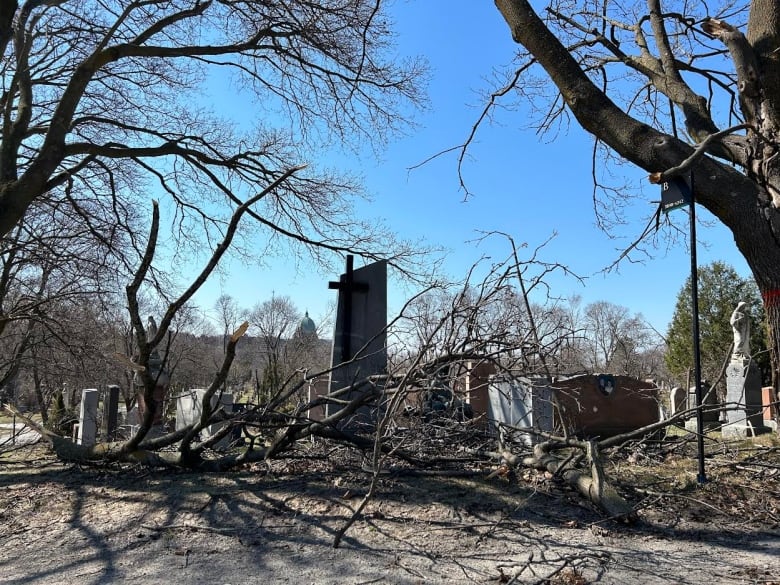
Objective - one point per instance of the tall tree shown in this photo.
(720, 289)
(105, 105)
(674, 87)
(106, 97)
(617, 341)
(274, 321)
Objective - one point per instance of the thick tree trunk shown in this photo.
(763, 33)
(772, 308)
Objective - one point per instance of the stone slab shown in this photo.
(521, 403)
(88, 417)
(189, 409)
(360, 338)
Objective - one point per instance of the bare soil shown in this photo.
(276, 523)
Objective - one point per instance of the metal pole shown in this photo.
(702, 478)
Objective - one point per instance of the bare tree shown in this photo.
(56, 284)
(103, 107)
(617, 340)
(673, 87)
(99, 96)
(275, 321)
(229, 316)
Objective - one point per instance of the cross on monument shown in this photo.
(348, 286)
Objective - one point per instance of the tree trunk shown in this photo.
(772, 309)
(763, 34)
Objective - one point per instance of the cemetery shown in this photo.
(373, 292)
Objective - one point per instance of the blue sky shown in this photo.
(527, 185)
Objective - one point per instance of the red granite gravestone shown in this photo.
(473, 385)
(318, 388)
(603, 405)
(769, 409)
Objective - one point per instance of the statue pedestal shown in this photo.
(744, 417)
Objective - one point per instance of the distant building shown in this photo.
(306, 329)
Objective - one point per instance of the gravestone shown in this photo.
(522, 403)
(769, 407)
(111, 412)
(744, 408)
(710, 411)
(605, 405)
(678, 400)
(88, 418)
(132, 418)
(473, 384)
(316, 389)
(189, 407)
(744, 416)
(359, 340)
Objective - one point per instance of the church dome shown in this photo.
(307, 326)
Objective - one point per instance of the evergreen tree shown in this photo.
(720, 289)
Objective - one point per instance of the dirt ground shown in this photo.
(276, 523)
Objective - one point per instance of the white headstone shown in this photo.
(522, 403)
(189, 409)
(678, 399)
(88, 423)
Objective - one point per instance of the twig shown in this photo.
(188, 527)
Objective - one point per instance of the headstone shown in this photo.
(523, 403)
(317, 388)
(710, 409)
(678, 400)
(132, 418)
(472, 380)
(744, 408)
(189, 407)
(605, 405)
(111, 411)
(769, 407)
(88, 419)
(360, 339)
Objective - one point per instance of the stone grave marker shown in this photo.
(359, 341)
(521, 402)
(189, 407)
(111, 412)
(769, 407)
(605, 405)
(88, 418)
(710, 416)
(678, 400)
(744, 408)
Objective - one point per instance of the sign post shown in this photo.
(676, 193)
